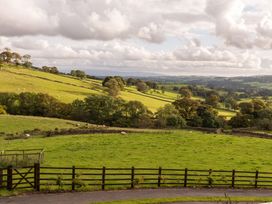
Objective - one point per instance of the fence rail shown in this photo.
(71, 178)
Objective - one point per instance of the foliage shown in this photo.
(78, 73)
(198, 114)
(120, 81)
(53, 70)
(2, 110)
(8, 56)
(253, 113)
(113, 87)
(168, 116)
(186, 92)
(212, 100)
(32, 104)
(186, 107)
(142, 86)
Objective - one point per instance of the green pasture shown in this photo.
(175, 149)
(13, 124)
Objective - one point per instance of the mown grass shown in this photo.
(13, 124)
(176, 149)
(189, 199)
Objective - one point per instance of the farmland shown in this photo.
(175, 149)
(66, 88)
(13, 124)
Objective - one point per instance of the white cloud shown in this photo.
(138, 35)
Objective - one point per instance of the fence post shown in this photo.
(73, 177)
(37, 176)
(256, 179)
(233, 179)
(185, 177)
(103, 177)
(209, 178)
(1, 178)
(132, 177)
(9, 178)
(159, 176)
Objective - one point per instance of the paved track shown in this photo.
(95, 196)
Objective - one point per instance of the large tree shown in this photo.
(185, 92)
(113, 87)
(142, 87)
(168, 116)
(186, 107)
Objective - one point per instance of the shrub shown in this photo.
(2, 110)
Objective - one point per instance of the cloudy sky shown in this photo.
(170, 37)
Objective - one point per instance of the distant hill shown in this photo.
(66, 88)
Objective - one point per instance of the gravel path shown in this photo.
(94, 196)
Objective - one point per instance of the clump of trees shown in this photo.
(53, 70)
(198, 114)
(255, 113)
(107, 110)
(33, 104)
(78, 73)
(104, 110)
(115, 84)
(10, 57)
(186, 92)
(169, 117)
(142, 86)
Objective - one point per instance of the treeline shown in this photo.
(104, 110)
(213, 98)
(112, 111)
(107, 110)
(255, 113)
(115, 84)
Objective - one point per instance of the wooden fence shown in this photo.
(74, 178)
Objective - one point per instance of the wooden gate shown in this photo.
(20, 178)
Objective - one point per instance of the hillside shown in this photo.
(66, 88)
(13, 124)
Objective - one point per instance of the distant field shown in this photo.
(177, 149)
(67, 88)
(13, 124)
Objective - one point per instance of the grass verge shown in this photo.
(190, 199)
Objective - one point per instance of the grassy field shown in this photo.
(190, 199)
(66, 88)
(13, 124)
(176, 149)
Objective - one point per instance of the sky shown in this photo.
(162, 37)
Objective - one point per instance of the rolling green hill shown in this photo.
(67, 88)
(13, 124)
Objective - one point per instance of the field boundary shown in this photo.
(38, 177)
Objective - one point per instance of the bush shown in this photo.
(264, 124)
(2, 110)
(169, 117)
